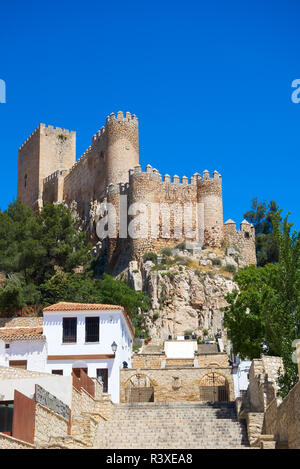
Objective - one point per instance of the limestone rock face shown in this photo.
(187, 293)
(135, 276)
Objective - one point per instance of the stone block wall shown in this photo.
(172, 385)
(8, 442)
(243, 240)
(282, 419)
(47, 150)
(48, 424)
(155, 360)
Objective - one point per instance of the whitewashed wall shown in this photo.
(180, 348)
(240, 377)
(113, 328)
(59, 386)
(35, 352)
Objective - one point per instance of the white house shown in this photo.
(240, 372)
(95, 337)
(82, 336)
(23, 347)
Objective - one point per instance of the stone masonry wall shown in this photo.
(81, 402)
(48, 424)
(172, 385)
(282, 419)
(8, 442)
(46, 151)
(160, 361)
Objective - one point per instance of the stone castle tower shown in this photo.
(109, 169)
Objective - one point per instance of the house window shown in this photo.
(92, 329)
(25, 180)
(18, 364)
(7, 345)
(69, 330)
(57, 372)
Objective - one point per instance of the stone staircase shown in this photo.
(172, 425)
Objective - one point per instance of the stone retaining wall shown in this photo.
(8, 442)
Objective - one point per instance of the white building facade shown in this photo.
(240, 372)
(94, 337)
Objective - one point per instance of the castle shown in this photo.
(109, 173)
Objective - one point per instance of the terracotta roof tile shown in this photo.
(21, 333)
(64, 306)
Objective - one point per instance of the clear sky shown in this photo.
(209, 81)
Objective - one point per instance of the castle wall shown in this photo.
(122, 137)
(86, 180)
(46, 151)
(54, 187)
(114, 150)
(28, 169)
(243, 240)
(149, 189)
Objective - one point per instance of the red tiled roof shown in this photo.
(21, 333)
(64, 306)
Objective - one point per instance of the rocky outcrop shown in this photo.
(187, 291)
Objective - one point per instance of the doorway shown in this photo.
(102, 375)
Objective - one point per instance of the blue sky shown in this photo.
(209, 81)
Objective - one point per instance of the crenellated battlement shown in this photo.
(121, 118)
(194, 179)
(99, 135)
(43, 129)
(55, 175)
(32, 135)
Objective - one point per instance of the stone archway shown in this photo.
(214, 387)
(139, 388)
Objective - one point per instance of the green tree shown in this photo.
(136, 303)
(35, 244)
(40, 253)
(83, 288)
(261, 216)
(263, 316)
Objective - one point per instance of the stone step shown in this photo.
(172, 425)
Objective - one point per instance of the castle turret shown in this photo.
(209, 193)
(122, 146)
(46, 151)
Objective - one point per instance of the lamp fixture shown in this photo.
(114, 347)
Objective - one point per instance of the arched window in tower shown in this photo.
(25, 180)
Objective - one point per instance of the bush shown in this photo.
(150, 256)
(217, 262)
(182, 260)
(167, 252)
(230, 268)
(180, 246)
(155, 317)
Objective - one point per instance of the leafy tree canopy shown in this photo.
(263, 316)
(261, 216)
(41, 255)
